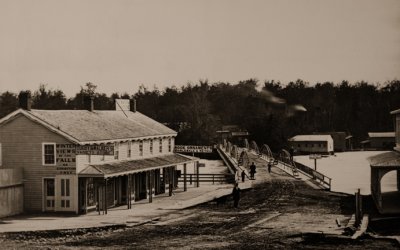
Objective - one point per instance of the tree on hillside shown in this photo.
(48, 99)
(8, 103)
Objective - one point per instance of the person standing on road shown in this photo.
(236, 195)
(252, 170)
(269, 167)
(243, 175)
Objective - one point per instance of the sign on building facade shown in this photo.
(66, 155)
(193, 149)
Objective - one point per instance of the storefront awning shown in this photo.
(385, 160)
(129, 167)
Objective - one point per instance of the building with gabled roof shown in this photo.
(312, 144)
(379, 141)
(81, 160)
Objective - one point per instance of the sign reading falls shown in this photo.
(66, 155)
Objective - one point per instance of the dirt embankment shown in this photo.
(277, 214)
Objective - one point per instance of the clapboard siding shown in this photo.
(21, 141)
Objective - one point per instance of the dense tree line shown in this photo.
(271, 112)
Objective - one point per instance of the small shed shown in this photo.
(312, 144)
(386, 202)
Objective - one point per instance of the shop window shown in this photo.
(49, 154)
(151, 146)
(160, 146)
(141, 148)
(90, 193)
(169, 145)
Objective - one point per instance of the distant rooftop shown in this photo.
(394, 112)
(381, 134)
(311, 138)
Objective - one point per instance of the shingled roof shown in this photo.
(134, 166)
(385, 160)
(83, 126)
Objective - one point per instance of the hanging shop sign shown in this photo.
(95, 150)
(193, 149)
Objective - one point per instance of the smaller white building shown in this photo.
(312, 144)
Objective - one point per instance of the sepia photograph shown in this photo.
(200, 124)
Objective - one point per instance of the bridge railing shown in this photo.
(294, 167)
(289, 166)
(321, 178)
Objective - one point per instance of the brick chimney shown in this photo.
(25, 100)
(88, 103)
(133, 105)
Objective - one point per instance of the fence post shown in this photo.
(197, 174)
(358, 207)
(184, 178)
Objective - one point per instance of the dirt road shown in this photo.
(282, 214)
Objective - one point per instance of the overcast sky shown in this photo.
(119, 45)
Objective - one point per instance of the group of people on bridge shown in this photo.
(236, 189)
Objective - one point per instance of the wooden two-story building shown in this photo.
(310, 144)
(78, 160)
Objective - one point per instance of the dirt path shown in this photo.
(277, 214)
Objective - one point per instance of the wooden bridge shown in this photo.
(239, 159)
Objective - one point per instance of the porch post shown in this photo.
(133, 187)
(398, 179)
(86, 195)
(184, 177)
(105, 196)
(127, 198)
(150, 177)
(98, 197)
(170, 176)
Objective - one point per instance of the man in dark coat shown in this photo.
(243, 175)
(236, 195)
(252, 170)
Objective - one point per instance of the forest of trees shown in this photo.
(271, 111)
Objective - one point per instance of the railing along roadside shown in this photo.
(210, 178)
(295, 166)
(321, 178)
